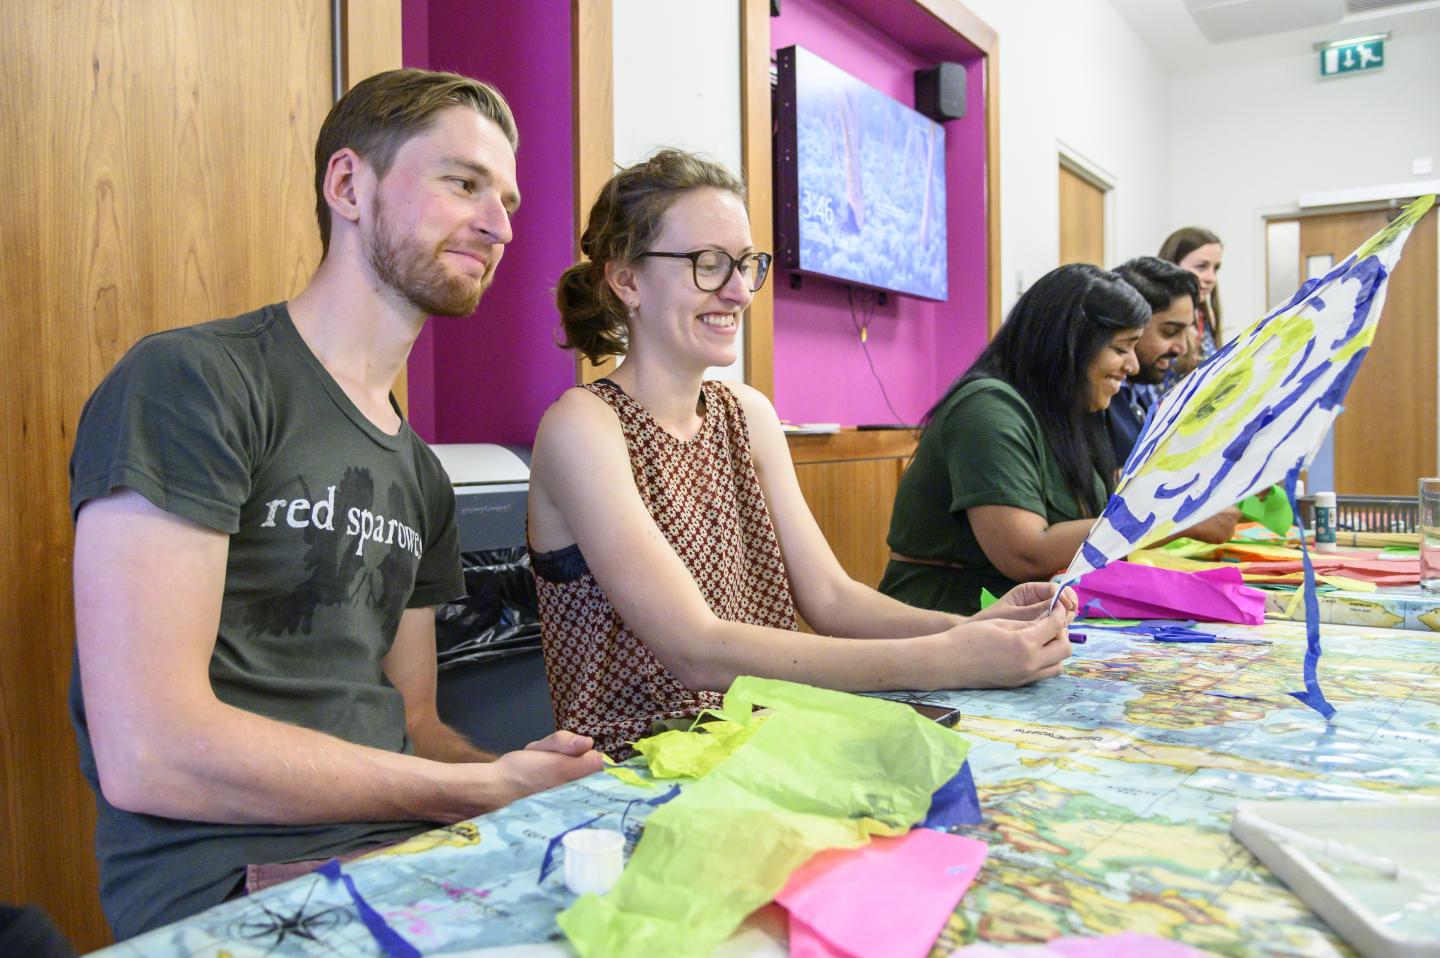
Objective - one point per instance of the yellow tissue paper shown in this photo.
(823, 770)
(690, 755)
(627, 775)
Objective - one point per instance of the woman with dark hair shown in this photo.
(1198, 251)
(1015, 463)
(671, 545)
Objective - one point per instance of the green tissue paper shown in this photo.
(1273, 512)
(822, 770)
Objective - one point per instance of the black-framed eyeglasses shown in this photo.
(712, 268)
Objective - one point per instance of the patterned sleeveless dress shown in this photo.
(706, 499)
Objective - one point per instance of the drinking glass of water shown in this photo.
(1430, 535)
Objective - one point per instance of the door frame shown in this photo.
(1103, 180)
(1396, 202)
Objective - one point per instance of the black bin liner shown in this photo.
(499, 615)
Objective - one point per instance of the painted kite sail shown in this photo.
(1255, 410)
(1254, 414)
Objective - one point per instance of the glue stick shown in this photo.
(1324, 522)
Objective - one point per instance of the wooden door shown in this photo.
(1082, 219)
(1385, 438)
(160, 173)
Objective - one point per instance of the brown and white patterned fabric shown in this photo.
(706, 499)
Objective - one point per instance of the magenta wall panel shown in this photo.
(489, 377)
(917, 346)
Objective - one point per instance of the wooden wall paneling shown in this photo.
(371, 35)
(849, 480)
(370, 39)
(756, 149)
(162, 176)
(593, 87)
(852, 502)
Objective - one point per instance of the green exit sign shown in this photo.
(1352, 56)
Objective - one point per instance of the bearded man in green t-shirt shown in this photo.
(261, 540)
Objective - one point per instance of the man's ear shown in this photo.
(622, 282)
(342, 185)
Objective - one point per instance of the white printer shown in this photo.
(491, 484)
(499, 701)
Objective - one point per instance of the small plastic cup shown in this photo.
(594, 858)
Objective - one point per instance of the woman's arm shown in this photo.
(583, 491)
(1022, 545)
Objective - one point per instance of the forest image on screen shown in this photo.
(870, 179)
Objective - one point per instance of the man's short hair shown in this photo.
(1159, 283)
(380, 113)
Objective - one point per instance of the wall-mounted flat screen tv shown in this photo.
(860, 181)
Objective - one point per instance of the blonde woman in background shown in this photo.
(1199, 251)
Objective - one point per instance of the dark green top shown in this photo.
(984, 447)
(335, 529)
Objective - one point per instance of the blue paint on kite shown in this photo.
(1167, 492)
(1125, 522)
(1295, 370)
(1371, 276)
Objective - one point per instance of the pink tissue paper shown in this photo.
(1125, 590)
(888, 899)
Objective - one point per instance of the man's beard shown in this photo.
(1152, 376)
(417, 273)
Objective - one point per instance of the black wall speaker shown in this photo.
(940, 91)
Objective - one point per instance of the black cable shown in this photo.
(862, 331)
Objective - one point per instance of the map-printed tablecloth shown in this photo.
(1107, 793)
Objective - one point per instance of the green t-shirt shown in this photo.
(335, 529)
(984, 447)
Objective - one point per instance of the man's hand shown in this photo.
(564, 743)
(557, 758)
(1218, 529)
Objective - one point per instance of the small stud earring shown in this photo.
(632, 309)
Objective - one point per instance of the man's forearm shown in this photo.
(229, 765)
(439, 742)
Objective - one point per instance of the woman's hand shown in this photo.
(1028, 601)
(1005, 653)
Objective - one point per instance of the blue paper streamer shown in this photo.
(389, 940)
(1312, 696)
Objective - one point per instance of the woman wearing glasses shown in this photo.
(670, 542)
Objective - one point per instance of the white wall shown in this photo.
(677, 83)
(1257, 135)
(1073, 72)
